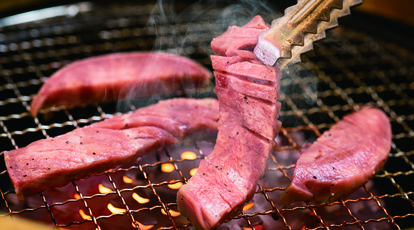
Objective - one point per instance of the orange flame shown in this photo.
(167, 167)
(76, 196)
(193, 171)
(142, 226)
(188, 155)
(176, 185)
(127, 180)
(84, 215)
(140, 199)
(172, 212)
(248, 206)
(115, 210)
(103, 189)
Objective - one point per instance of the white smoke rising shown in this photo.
(185, 30)
(213, 16)
(301, 80)
(189, 30)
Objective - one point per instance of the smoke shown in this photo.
(243, 11)
(299, 91)
(200, 21)
(300, 80)
(188, 30)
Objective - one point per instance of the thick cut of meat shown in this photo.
(119, 76)
(342, 159)
(106, 144)
(247, 91)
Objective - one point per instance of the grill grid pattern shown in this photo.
(345, 72)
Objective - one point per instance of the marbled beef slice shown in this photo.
(342, 159)
(248, 92)
(104, 145)
(119, 76)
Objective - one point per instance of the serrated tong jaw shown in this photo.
(303, 18)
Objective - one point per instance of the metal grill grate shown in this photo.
(347, 71)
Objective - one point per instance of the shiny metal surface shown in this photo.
(301, 25)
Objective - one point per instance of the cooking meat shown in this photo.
(342, 159)
(247, 91)
(106, 144)
(117, 77)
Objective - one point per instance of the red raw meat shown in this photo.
(117, 77)
(342, 159)
(104, 145)
(248, 92)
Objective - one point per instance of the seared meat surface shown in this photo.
(117, 77)
(104, 145)
(247, 91)
(342, 159)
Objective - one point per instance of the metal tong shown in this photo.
(312, 17)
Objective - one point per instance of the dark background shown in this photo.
(391, 20)
(398, 10)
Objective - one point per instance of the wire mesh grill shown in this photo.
(347, 71)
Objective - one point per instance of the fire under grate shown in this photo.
(346, 71)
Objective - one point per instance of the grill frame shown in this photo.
(332, 65)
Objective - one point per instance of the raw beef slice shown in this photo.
(119, 76)
(248, 92)
(342, 159)
(104, 145)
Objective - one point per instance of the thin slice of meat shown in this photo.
(342, 159)
(104, 145)
(117, 77)
(248, 92)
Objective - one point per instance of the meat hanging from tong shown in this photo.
(248, 92)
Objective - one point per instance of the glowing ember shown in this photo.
(140, 199)
(257, 227)
(127, 180)
(167, 167)
(193, 171)
(76, 196)
(115, 210)
(142, 226)
(172, 212)
(188, 155)
(248, 206)
(176, 185)
(84, 215)
(103, 189)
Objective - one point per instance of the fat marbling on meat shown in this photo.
(104, 145)
(343, 159)
(248, 92)
(119, 76)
